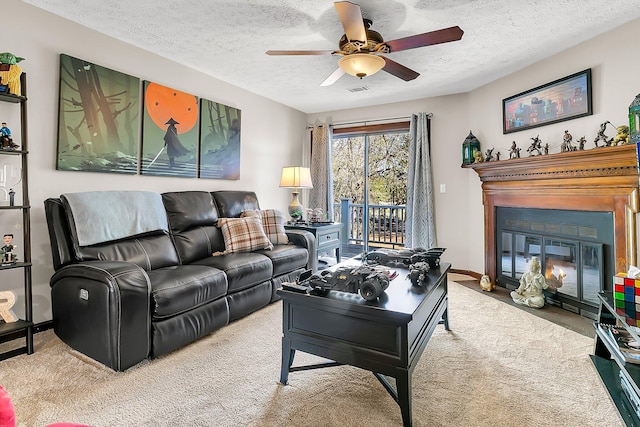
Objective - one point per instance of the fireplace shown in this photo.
(575, 249)
(576, 211)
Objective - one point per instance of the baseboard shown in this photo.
(473, 274)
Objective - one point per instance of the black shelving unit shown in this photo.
(9, 331)
(611, 366)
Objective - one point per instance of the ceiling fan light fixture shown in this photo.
(361, 64)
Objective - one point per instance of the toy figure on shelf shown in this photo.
(567, 142)
(581, 141)
(514, 151)
(488, 155)
(8, 257)
(478, 158)
(622, 136)
(535, 149)
(10, 72)
(6, 141)
(497, 156)
(601, 136)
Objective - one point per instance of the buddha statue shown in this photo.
(532, 283)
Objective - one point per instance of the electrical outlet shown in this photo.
(443, 188)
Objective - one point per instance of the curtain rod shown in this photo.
(364, 122)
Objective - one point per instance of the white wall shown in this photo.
(449, 119)
(272, 134)
(459, 212)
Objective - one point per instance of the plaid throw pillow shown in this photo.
(272, 222)
(243, 235)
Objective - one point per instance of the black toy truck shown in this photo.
(405, 257)
(366, 281)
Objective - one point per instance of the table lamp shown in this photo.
(295, 177)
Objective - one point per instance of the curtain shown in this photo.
(420, 225)
(321, 195)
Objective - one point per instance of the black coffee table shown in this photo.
(386, 337)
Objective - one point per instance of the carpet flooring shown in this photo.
(498, 366)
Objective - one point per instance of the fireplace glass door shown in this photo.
(572, 269)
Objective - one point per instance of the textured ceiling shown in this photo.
(227, 39)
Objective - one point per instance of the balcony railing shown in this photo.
(386, 224)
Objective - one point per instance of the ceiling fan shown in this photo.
(361, 48)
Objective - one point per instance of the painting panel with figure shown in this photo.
(169, 132)
(98, 116)
(219, 141)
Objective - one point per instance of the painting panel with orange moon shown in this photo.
(219, 141)
(98, 118)
(169, 132)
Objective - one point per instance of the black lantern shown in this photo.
(470, 146)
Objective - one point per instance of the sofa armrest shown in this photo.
(306, 240)
(102, 309)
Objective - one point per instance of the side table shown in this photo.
(328, 236)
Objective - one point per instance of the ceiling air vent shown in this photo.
(358, 89)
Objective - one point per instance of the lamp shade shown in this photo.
(361, 64)
(296, 177)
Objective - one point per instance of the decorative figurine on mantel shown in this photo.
(478, 157)
(601, 135)
(514, 151)
(581, 142)
(532, 283)
(567, 145)
(622, 136)
(488, 155)
(535, 149)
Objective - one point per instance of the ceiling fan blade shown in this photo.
(333, 77)
(399, 70)
(300, 52)
(351, 18)
(426, 39)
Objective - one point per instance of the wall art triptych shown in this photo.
(99, 116)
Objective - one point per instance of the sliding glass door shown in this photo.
(369, 173)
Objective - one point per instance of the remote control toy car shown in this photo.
(366, 281)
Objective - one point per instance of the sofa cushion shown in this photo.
(243, 270)
(179, 289)
(149, 251)
(272, 222)
(189, 209)
(192, 219)
(243, 235)
(286, 258)
(231, 204)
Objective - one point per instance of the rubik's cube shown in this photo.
(626, 296)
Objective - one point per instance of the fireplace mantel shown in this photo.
(601, 179)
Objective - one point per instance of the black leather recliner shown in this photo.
(140, 297)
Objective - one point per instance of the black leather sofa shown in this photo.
(121, 302)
